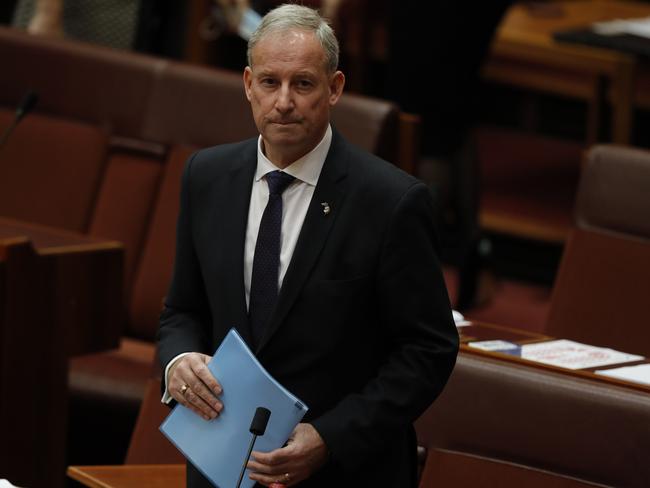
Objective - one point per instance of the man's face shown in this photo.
(291, 93)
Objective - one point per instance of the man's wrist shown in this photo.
(328, 453)
(166, 397)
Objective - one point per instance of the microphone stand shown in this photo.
(23, 109)
(257, 428)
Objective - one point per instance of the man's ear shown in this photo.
(337, 82)
(248, 80)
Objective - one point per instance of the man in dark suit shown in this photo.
(339, 293)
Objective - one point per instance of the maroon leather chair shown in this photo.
(567, 425)
(460, 470)
(600, 292)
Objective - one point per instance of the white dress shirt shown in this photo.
(295, 202)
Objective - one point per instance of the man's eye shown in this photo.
(267, 81)
(305, 83)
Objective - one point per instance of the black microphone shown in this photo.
(257, 428)
(260, 419)
(26, 106)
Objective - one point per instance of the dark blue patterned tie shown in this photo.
(266, 262)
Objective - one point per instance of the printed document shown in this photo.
(574, 355)
(636, 374)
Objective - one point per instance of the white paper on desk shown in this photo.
(637, 374)
(218, 447)
(637, 27)
(574, 355)
(459, 319)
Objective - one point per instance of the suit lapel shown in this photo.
(315, 229)
(236, 199)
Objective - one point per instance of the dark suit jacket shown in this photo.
(362, 332)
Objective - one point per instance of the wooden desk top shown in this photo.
(524, 27)
(524, 53)
(478, 331)
(537, 23)
(48, 239)
(80, 277)
(527, 30)
(130, 476)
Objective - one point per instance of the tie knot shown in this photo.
(278, 181)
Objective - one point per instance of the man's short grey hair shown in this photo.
(289, 17)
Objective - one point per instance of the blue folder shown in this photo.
(218, 447)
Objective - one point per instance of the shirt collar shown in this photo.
(306, 169)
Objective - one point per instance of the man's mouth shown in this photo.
(285, 122)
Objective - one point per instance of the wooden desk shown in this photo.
(485, 332)
(130, 476)
(524, 54)
(83, 275)
(480, 331)
(60, 295)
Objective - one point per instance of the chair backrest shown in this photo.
(369, 123)
(124, 204)
(80, 81)
(460, 470)
(154, 269)
(543, 419)
(601, 291)
(50, 169)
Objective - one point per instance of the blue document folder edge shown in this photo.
(218, 447)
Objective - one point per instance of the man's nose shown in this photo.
(284, 100)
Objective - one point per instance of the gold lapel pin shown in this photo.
(326, 207)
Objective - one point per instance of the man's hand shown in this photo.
(191, 383)
(233, 11)
(47, 19)
(304, 453)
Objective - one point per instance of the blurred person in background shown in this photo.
(150, 26)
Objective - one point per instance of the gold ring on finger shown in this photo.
(184, 389)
